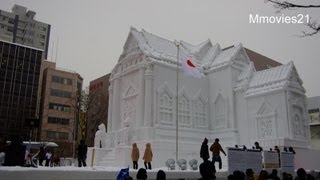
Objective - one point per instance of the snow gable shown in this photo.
(131, 45)
(240, 57)
(295, 83)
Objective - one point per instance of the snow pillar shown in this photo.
(140, 103)
(148, 97)
(109, 125)
(115, 104)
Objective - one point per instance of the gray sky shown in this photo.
(92, 33)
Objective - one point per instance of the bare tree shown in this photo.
(313, 25)
(96, 112)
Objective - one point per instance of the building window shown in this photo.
(57, 135)
(61, 80)
(315, 132)
(57, 120)
(165, 109)
(11, 21)
(314, 116)
(60, 107)
(42, 36)
(60, 93)
(184, 112)
(200, 114)
(10, 29)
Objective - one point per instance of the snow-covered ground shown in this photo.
(88, 173)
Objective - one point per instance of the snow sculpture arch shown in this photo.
(184, 109)
(165, 105)
(220, 112)
(266, 127)
(199, 112)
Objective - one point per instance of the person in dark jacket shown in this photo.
(82, 153)
(204, 151)
(41, 156)
(258, 147)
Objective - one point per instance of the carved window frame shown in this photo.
(264, 116)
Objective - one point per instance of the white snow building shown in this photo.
(233, 102)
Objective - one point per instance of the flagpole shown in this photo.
(177, 103)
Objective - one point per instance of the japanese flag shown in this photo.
(189, 68)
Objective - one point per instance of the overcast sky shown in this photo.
(92, 33)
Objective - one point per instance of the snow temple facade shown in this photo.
(233, 102)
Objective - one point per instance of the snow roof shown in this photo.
(159, 48)
(272, 79)
(270, 76)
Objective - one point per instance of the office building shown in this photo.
(19, 94)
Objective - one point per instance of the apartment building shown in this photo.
(60, 110)
(19, 26)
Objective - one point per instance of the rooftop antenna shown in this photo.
(57, 50)
(52, 50)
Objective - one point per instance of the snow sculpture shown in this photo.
(193, 164)
(182, 163)
(100, 137)
(234, 102)
(170, 164)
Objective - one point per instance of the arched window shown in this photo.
(165, 109)
(200, 119)
(184, 112)
(220, 113)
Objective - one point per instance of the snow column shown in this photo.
(148, 97)
(140, 103)
(109, 125)
(115, 104)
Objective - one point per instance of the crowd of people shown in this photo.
(16, 154)
(207, 172)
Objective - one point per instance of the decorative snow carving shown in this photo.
(299, 118)
(199, 111)
(220, 112)
(266, 127)
(297, 124)
(129, 104)
(165, 106)
(100, 137)
(184, 112)
(200, 119)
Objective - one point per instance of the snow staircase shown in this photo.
(108, 159)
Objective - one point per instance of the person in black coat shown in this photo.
(204, 151)
(15, 153)
(41, 156)
(82, 153)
